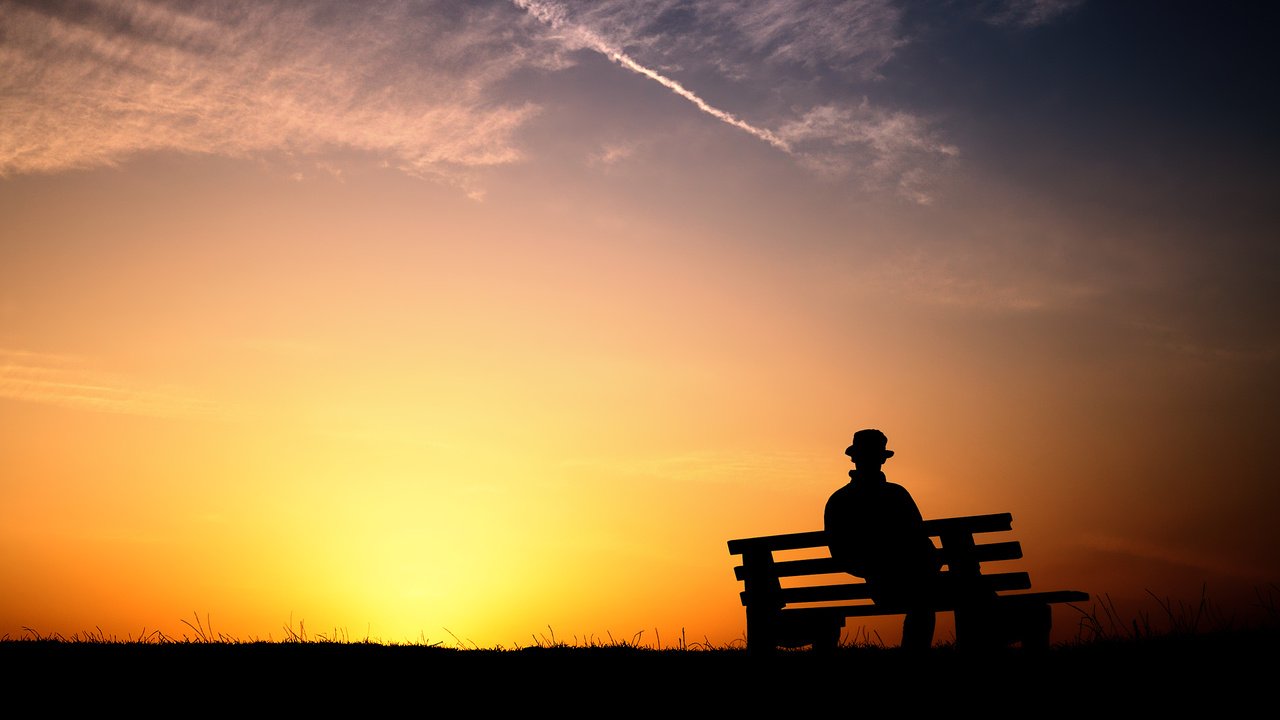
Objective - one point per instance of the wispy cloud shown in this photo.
(611, 154)
(1194, 558)
(985, 275)
(90, 83)
(876, 145)
(67, 381)
(883, 144)
(741, 38)
(1029, 13)
(419, 85)
(856, 37)
(578, 35)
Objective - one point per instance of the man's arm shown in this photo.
(915, 537)
(840, 527)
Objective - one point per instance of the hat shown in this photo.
(869, 438)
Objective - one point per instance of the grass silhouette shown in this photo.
(1193, 656)
(1101, 624)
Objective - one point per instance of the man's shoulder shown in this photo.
(841, 500)
(843, 489)
(844, 492)
(896, 489)
(897, 496)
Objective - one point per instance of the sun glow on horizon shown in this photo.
(457, 323)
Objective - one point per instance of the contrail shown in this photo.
(554, 17)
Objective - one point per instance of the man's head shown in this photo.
(869, 448)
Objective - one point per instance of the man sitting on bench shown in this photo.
(875, 530)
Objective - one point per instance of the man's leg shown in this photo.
(974, 631)
(915, 590)
(917, 630)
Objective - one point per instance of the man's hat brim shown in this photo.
(849, 451)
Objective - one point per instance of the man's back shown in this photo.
(876, 531)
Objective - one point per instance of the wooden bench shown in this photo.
(798, 612)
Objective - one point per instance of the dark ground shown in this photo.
(1221, 672)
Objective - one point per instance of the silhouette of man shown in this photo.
(876, 532)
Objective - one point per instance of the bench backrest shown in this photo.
(962, 557)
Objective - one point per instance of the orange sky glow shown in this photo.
(417, 323)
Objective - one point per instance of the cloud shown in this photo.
(878, 146)
(1029, 13)
(1187, 557)
(419, 86)
(883, 145)
(741, 37)
(580, 36)
(976, 283)
(91, 83)
(612, 154)
(65, 381)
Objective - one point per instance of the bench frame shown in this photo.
(792, 616)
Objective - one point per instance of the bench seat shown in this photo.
(810, 608)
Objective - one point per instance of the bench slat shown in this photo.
(989, 552)
(1050, 596)
(814, 613)
(790, 541)
(995, 522)
(868, 609)
(998, 582)
(969, 524)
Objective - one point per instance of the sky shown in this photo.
(484, 323)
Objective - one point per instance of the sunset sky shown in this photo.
(475, 322)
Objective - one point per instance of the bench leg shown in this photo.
(998, 625)
(1036, 623)
(762, 633)
(827, 639)
(768, 631)
(978, 629)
